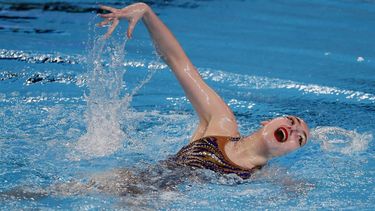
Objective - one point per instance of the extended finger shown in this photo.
(131, 28)
(108, 8)
(112, 28)
(105, 22)
(109, 15)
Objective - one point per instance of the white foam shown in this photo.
(360, 59)
(335, 139)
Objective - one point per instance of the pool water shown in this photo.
(75, 111)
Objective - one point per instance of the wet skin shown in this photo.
(285, 134)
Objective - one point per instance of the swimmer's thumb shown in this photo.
(131, 28)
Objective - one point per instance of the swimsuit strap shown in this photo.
(208, 153)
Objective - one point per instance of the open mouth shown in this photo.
(281, 134)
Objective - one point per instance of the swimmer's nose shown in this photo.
(291, 128)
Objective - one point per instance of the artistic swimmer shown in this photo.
(216, 144)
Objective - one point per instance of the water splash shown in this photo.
(335, 139)
(103, 135)
(106, 108)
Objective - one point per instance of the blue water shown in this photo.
(73, 108)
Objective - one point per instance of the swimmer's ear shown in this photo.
(264, 123)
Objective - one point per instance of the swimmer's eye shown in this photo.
(300, 140)
(291, 120)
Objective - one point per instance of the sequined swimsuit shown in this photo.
(208, 153)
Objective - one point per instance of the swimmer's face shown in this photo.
(285, 134)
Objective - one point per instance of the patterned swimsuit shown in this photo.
(208, 153)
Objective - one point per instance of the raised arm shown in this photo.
(216, 118)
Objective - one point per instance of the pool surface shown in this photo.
(78, 115)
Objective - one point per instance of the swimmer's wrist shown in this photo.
(147, 10)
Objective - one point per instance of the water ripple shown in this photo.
(10, 17)
(238, 80)
(43, 77)
(39, 58)
(258, 82)
(87, 6)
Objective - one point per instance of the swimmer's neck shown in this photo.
(249, 152)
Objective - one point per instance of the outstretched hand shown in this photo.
(132, 13)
